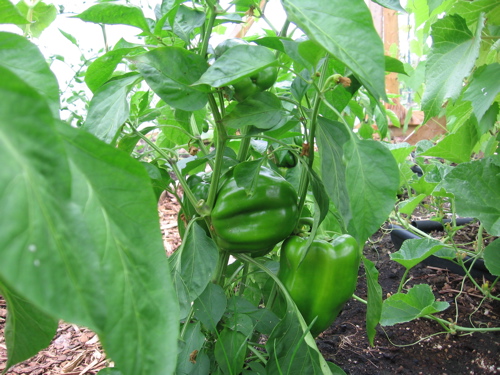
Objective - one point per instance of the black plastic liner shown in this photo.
(399, 235)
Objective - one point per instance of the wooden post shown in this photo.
(391, 37)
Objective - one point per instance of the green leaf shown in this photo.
(10, 14)
(170, 72)
(93, 254)
(291, 350)
(236, 63)
(374, 307)
(192, 266)
(363, 178)
(394, 65)
(414, 251)
(25, 60)
(476, 187)
(70, 37)
(263, 320)
(402, 308)
(390, 4)
(246, 174)
(186, 21)
(109, 108)
(42, 15)
(408, 205)
(210, 306)
(457, 147)
(334, 24)
(115, 14)
(492, 257)
(27, 330)
(320, 195)
(192, 340)
(452, 57)
(263, 110)
(103, 67)
(230, 351)
(471, 10)
(483, 89)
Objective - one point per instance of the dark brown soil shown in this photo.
(410, 348)
(415, 347)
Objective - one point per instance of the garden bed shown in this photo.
(410, 348)
(414, 347)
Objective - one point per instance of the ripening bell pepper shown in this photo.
(254, 221)
(324, 281)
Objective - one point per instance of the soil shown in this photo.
(417, 347)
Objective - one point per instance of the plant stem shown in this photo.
(243, 279)
(220, 270)
(219, 152)
(402, 282)
(184, 326)
(304, 180)
(209, 27)
(245, 144)
(187, 191)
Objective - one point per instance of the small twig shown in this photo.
(444, 291)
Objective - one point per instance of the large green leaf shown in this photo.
(170, 72)
(109, 108)
(360, 176)
(10, 14)
(414, 251)
(28, 329)
(335, 24)
(453, 53)
(457, 147)
(79, 233)
(115, 14)
(25, 60)
(476, 187)
(470, 10)
(483, 89)
(210, 306)
(263, 110)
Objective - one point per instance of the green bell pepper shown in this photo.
(248, 86)
(254, 222)
(227, 44)
(324, 281)
(285, 159)
(257, 82)
(200, 187)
